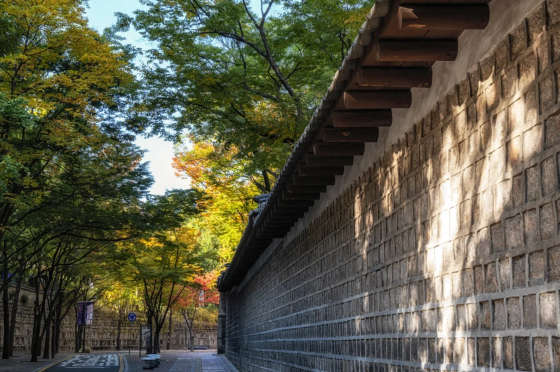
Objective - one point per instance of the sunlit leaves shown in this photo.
(239, 76)
(219, 175)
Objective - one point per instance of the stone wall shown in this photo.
(445, 253)
(102, 333)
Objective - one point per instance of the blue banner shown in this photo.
(85, 313)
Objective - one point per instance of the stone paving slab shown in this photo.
(182, 361)
(215, 363)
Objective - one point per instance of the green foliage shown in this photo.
(206, 316)
(243, 82)
(227, 197)
(237, 77)
(71, 180)
(8, 34)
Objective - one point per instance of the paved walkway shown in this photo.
(182, 361)
(21, 363)
(171, 361)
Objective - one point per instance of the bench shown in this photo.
(151, 361)
(200, 347)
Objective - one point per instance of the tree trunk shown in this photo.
(40, 315)
(56, 328)
(84, 329)
(266, 180)
(156, 339)
(191, 339)
(78, 338)
(119, 325)
(13, 316)
(36, 340)
(149, 346)
(53, 339)
(56, 337)
(189, 323)
(47, 346)
(6, 211)
(170, 329)
(37, 321)
(6, 311)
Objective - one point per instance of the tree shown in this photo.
(240, 77)
(201, 293)
(164, 258)
(121, 299)
(227, 197)
(161, 269)
(57, 81)
(61, 85)
(243, 81)
(94, 209)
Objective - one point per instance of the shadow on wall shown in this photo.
(464, 241)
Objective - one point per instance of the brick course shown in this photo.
(445, 254)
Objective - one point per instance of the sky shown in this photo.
(159, 153)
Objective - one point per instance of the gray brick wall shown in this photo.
(445, 254)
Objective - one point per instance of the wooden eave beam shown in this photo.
(284, 221)
(283, 218)
(416, 50)
(278, 232)
(392, 77)
(290, 214)
(319, 171)
(301, 196)
(266, 238)
(377, 99)
(362, 118)
(297, 203)
(306, 189)
(278, 229)
(338, 149)
(360, 135)
(314, 180)
(443, 16)
(311, 160)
